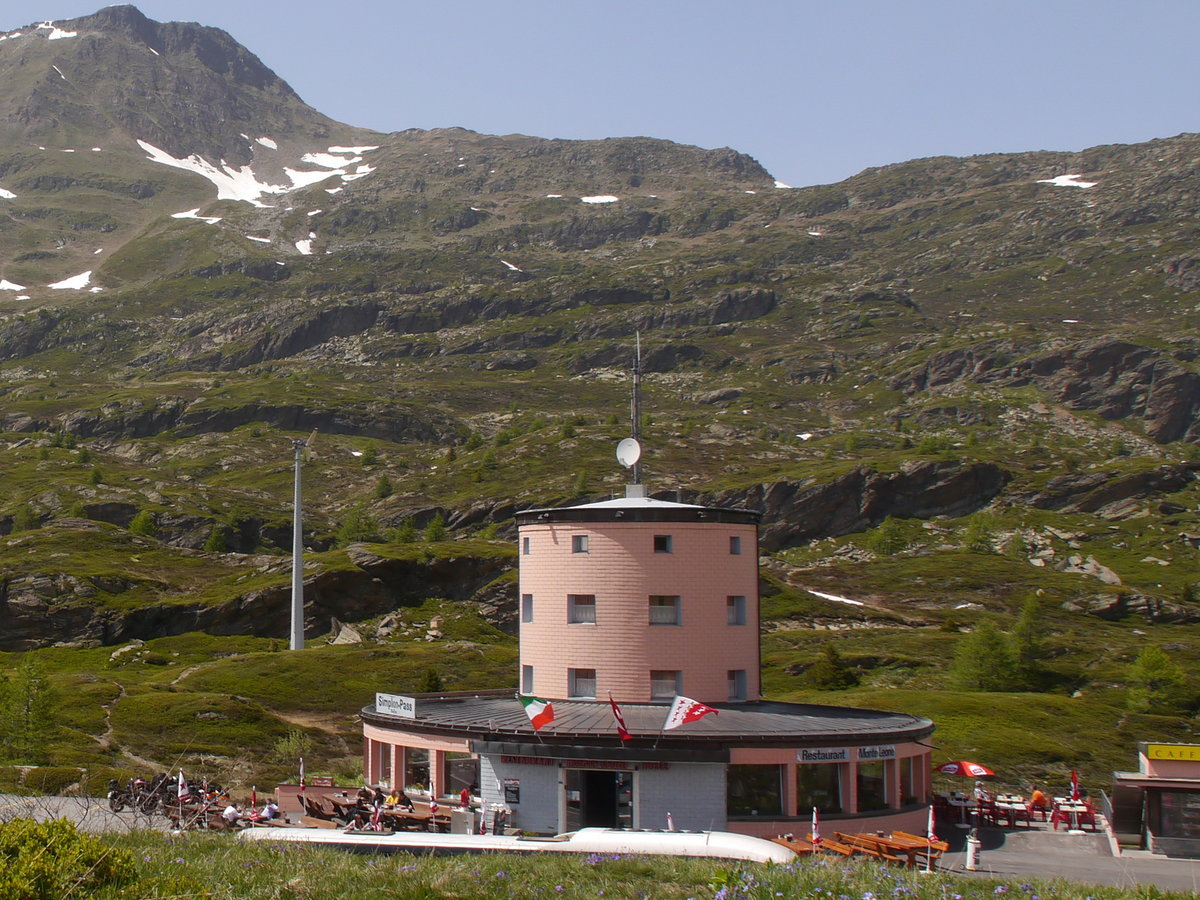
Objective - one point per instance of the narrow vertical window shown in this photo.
(735, 610)
(579, 543)
(737, 684)
(662, 543)
(735, 545)
(524, 546)
(581, 609)
(527, 607)
(526, 679)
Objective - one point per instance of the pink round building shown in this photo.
(641, 600)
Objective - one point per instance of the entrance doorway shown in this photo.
(601, 799)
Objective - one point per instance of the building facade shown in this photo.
(636, 601)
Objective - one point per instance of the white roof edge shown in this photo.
(636, 503)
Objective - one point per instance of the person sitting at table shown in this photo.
(232, 814)
(270, 810)
(981, 794)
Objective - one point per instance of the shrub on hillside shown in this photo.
(53, 859)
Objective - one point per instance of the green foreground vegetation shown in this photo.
(53, 860)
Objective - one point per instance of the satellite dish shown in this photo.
(629, 451)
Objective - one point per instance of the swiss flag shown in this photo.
(622, 731)
(685, 710)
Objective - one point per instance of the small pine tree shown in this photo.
(383, 488)
(1156, 684)
(436, 530)
(474, 442)
(370, 457)
(978, 534)
(983, 661)
(217, 539)
(96, 477)
(358, 525)
(830, 671)
(143, 524)
(888, 539)
(406, 533)
(25, 519)
(1027, 642)
(431, 682)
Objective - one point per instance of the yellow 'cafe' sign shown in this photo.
(1179, 752)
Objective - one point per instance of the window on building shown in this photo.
(908, 781)
(754, 790)
(416, 767)
(526, 679)
(579, 543)
(872, 787)
(662, 543)
(737, 684)
(735, 545)
(524, 546)
(665, 684)
(664, 610)
(819, 785)
(735, 610)
(461, 771)
(527, 607)
(581, 684)
(581, 609)
(385, 761)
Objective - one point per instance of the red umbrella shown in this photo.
(962, 767)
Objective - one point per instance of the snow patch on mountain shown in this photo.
(195, 214)
(329, 160)
(600, 198)
(304, 177)
(305, 247)
(267, 142)
(56, 33)
(6, 285)
(74, 283)
(1068, 181)
(7, 195)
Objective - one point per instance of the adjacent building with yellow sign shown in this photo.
(1159, 805)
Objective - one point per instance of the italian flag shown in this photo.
(540, 712)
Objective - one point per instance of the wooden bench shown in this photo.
(875, 847)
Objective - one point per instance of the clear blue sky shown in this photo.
(816, 91)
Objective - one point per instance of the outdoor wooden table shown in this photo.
(1012, 812)
(1068, 811)
(963, 804)
(879, 847)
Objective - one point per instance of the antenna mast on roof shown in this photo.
(636, 406)
(629, 451)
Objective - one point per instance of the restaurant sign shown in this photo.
(883, 751)
(396, 705)
(1179, 752)
(823, 754)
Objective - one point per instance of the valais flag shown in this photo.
(622, 731)
(302, 783)
(685, 710)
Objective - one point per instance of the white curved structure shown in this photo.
(710, 844)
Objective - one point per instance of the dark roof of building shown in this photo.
(491, 716)
(639, 509)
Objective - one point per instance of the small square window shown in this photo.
(527, 607)
(579, 543)
(662, 543)
(581, 609)
(735, 610)
(581, 684)
(735, 545)
(664, 610)
(525, 546)
(737, 684)
(665, 684)
(526, 679)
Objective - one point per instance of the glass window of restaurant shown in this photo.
(819, 785)
(385, 761)
(908, 781)
(1178, 814)
(462, 771)
(872, 786)
(416, 767)
(754, 790)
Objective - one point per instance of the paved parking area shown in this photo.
(1041, 852)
